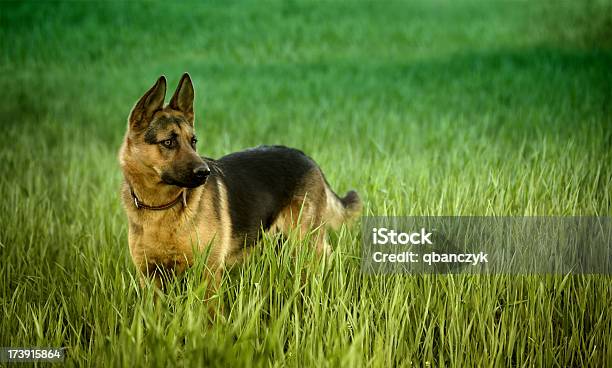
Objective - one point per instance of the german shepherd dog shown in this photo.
(178, 202)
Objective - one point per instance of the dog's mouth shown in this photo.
(191, 176)
(192, 182)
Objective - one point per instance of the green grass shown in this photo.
(442, 108)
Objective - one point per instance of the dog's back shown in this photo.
(269, 185)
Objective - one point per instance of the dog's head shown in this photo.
(161, 139)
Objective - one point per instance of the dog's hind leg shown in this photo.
(341, 210)
(304, 214)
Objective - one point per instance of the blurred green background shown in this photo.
(394, 86)
(426, 108)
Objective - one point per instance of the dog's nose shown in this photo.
(201, 171)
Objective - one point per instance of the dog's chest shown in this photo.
(162, 247)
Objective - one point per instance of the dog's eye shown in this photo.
(168, 143)
(194, 140)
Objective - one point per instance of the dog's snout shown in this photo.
(201, 171)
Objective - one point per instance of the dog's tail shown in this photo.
(341, 210)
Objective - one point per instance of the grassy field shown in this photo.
(441, 108)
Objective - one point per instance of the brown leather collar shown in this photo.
(139, 205)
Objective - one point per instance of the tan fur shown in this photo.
(314, 208)
(153, 243)
(168, 240)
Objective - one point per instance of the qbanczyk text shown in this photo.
(430, 258)
(383, 235)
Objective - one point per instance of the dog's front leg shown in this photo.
(212, 288)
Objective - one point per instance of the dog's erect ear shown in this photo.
(148, 104)
(182, 100)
